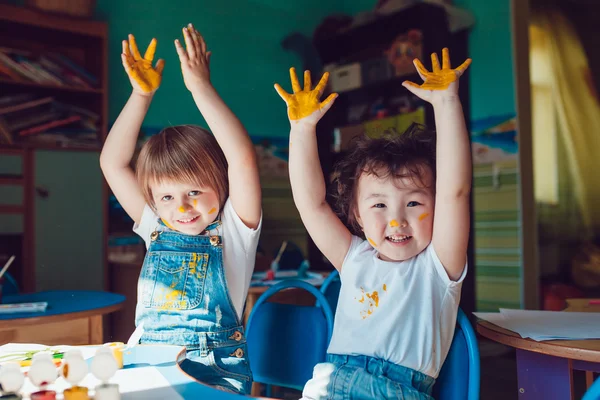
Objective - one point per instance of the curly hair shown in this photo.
(391, 155)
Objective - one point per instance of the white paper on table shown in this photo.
(13, 348)
(144, 383)
(547, 325)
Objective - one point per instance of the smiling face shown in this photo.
(185, 207)
(396, 214)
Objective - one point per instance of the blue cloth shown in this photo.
(183, 300)
(364, 377)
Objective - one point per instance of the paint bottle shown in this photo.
(117, 351)
(11, 379)
(107, 391)
(76, 393)
(44, 395)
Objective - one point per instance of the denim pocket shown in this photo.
(231, 361)
(173, 280)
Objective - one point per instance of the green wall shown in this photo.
(245, 37)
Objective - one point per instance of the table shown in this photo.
(149, 372)
(72, 316)
(545, 369)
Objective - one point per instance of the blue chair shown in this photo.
(593, 393)
(331, 289)
(459, 377)
(286, 341)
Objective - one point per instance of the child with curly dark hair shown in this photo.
(401, 268)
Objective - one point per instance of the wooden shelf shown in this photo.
(36, 85)
(35, 18)
(12, 209)
(12, 180)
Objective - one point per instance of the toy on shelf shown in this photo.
(403, 50)
(275, 263)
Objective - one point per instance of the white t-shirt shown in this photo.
(239, 249)
(402, 312)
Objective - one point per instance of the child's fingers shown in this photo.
(420, 68)
(194, 36)
(160, 65)
(183, 56)
(294, 79)
(435, 63)
(307, 82)
(445, 58)
(208, 54)
(282, 93)
(189, 43)
(126, 48)
(328, 102)
(463, 67)
(126, 64)
(321, 85)
(416, 89)
(134, 49)
(149, 55)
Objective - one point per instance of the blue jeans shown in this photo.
(346, 377)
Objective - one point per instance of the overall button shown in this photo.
(154, 236)
(237, 336)
(214, 240)
(239, 353)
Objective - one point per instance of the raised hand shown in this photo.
(144, 78)
(440, 81)
(304, 105)
(194, 58)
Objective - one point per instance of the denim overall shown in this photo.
(183, 300)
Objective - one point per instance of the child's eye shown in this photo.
(166, 198)
(413, 204)
(379, 205)
(194, 193)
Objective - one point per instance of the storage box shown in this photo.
(345, 78)
(376, 70)
(342, 137)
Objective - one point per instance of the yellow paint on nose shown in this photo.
(393, 223)
(181, 209)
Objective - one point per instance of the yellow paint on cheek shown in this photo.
(167, 224)
(212, 210)
(371, 242)
(195, 202)
(181, 209)
(393, 223)
(384, 287)
(423, 216)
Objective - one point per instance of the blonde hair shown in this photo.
(186, 154)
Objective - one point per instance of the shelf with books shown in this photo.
(54, 118)
(49, 86)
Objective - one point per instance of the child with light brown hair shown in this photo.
(196, 201)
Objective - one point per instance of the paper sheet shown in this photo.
(547, 325)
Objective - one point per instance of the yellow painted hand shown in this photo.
(439, 79)
(304, 104)
(144, 78)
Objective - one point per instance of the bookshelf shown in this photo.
(57, 198)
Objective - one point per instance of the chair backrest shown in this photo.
(593, 393)
(331, 289)
(286, 341)
(459, 377)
